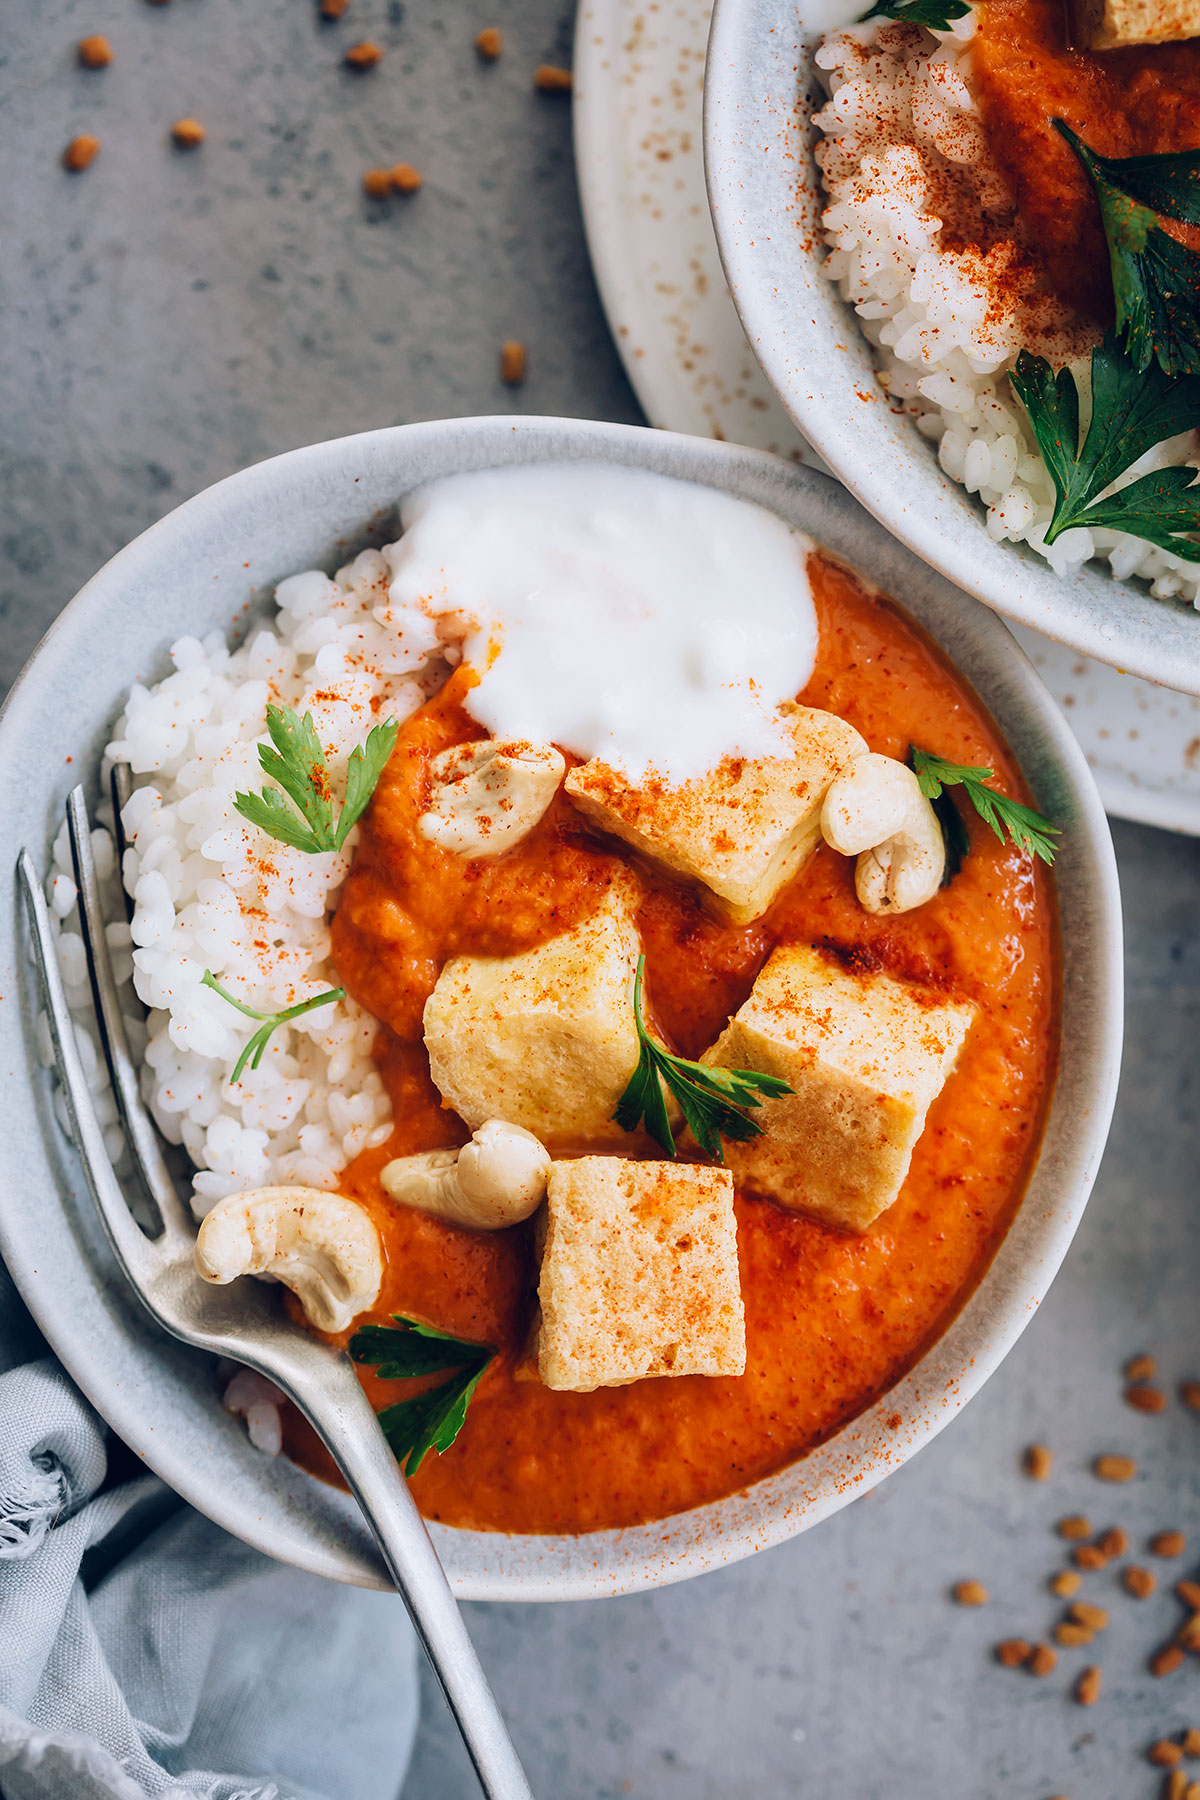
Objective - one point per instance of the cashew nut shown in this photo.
(875, 810)
(323, 1246)
(498, 1179)
(488, 795)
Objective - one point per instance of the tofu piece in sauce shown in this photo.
(865, 1055)
(742, 831)
(639, 1274)
(1115, 24)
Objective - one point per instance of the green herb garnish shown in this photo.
(297, 763)
(1029, 830)
(935, 15)
(1131, 413)
(1156, 279)
(955, 839)
(712, 1101)
(253, 1052)
(432, 1420)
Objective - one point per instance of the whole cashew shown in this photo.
(487, 796)
(875, 810)
(498, 1179)
(323, 1246)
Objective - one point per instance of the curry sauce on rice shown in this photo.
(607, 971)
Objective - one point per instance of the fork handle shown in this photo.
(343, 1417)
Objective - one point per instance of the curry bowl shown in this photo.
(762, 92)
(210, 567)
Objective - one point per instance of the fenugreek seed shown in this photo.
(1038, 1461)
(512, 363)
(971, 1593)
(1166, 1660)
(1165, 1754)
(1168, 1543)
(1113, 1542)
(1189, 1393)
(1087, 1688)
(1138, 1582)
(1191, 1742)
(189, 134)
(1141, 1368)
(1070, 1636)
(1084, 1613)
(1192, 1791)
(94, 52)
(1189, 1593)
(363, 56)
(406, 179)
(1074, 1526)
(1177, 1786)
(489, 43)
(1145, 1399)
(81, 153)
(1189, 1633)
(333, 9)
(1042, 1660)
(1089, 1556)
(549, 80)
(1111, 1467)
(1066, 1583)
(1013, 1652)
(377, 183)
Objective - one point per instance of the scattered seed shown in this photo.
(1168, 1543)
(1189, 1633)
(1192, 1791)
(81, 152)
(1177, 1786)
(1113, 1542)
(971, 1593)
(1089, 1556)
(1075, 1526)
(1084, 1613)
(1042, 1660)
(1111, 1467)
(1072, 1637)
(1141, 1368)
(549, 80)
(1189, 1593)
(1066, 1583)
(1166, 1660)
(1189, 1393)
(94, 52)
(1013, 1652)
(1145, 1399)
(189, 134)
(333, 9)
(1087, 1688)
(406, 179)
(363, 56)
(1165, 1754)
(489, 43)
(1138, 1582)
(512, 363)
(1191, 1742)
(377, 183)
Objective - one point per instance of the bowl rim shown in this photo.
(152, 1389)
(765, 203)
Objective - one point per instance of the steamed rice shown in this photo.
(902, 138)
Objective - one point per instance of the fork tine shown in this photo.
(120, 787)
(133, 1250)
(140, 1129)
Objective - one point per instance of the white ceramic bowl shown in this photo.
(193, 572)
(760, 94)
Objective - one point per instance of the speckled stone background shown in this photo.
(169, 318)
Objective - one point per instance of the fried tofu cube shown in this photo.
(545, 1039)
(741, 831)
(1113, 24)
(865, 1056)
(639, 1274)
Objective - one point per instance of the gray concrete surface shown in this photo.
(169, 318)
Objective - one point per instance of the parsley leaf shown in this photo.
(1156, 279)
(1132, 411)
(253, 1052)
(297, 762)
(431, 1420)
(935, 15)
(712, 1101)
(1030, 831)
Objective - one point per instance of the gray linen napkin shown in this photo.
(145, 1652)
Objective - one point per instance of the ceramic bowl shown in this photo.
(199, 568)
(760, 94)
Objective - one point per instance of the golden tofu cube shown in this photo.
(545, 1039)
(742, 831)
(639, 1274)
(865, 1056)
(1113, 24)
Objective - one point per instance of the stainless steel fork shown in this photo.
(246, 1320)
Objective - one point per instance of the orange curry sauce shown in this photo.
(831, 1319)
(1130, 102)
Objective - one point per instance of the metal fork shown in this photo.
(246, 1320)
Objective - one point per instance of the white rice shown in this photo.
(901, 127)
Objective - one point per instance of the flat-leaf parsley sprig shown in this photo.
(297, 763)
(1029, 830)
(712, 1101)
(935, 15)
(1131, 413)
(431, 1420)
(253, 1052)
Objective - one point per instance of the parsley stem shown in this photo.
(253, 1051)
